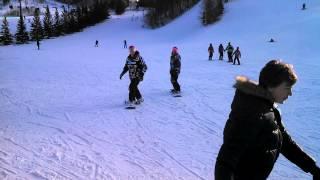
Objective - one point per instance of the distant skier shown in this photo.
(96, 44)
(271, 40)
(211, 51)
(136, 67)
(38, 43)
(237, 56)
(229, 50)
(221, 49)
(303, 6)
(175, 67)
(125, 44)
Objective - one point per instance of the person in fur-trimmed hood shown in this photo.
(254, 134)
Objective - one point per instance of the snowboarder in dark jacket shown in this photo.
(254, 134)
(229, 50)
(175, 67)
(237, 56)
(211, 51)
(136, 67)
(221, 49)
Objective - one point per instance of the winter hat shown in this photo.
(132, 47)
(175, 49)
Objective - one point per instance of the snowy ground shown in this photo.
(61, 108)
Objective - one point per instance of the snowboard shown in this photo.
(129, 106)
(134, 105)
(175, 94)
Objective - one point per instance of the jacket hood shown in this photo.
(250, 87)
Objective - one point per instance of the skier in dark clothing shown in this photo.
(303, 6)
(229, 50)
(136, 67)
(97, 43)
(175, 67)
(38, 44)
(125, 44)
(221, 49)
(254, 134)
(237, 56)
(211, 51)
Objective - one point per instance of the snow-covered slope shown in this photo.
(62, 114)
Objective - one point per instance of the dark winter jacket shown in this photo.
(136, 66)
(254, 136)
(221, 49)
(237, 53)
(229, 48)
(210, 49)
(175, 63)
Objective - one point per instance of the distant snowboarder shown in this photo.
(38, 43)
(125, 44)
(229, 50)
(211, 51)
(237, 56)
(96, 44)
(175, 67)
(221, 49)
(136, 67)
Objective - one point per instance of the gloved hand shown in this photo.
(121, 75)
(316, 173)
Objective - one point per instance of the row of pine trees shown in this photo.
(160, 13)
(163, 11)
(67, 22)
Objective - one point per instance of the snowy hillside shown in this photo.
(61, 108)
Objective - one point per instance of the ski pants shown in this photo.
(134, 92)
(210, 55)
(174, 80)
(236, 59)
(220, 55)
(230, 57)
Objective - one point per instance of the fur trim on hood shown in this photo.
(250, 87)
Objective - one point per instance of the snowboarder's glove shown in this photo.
(316, 173)
(121, 75)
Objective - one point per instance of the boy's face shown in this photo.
(281, 92)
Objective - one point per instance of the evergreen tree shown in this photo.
(47, 24)
(5, 2)
(163, 11)
(36, 27)
(211, 11)
(22, 34)
(72, 22)
(57, 26)
(65, 20)
(6, 35)
(120, 7)
(79, 18)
